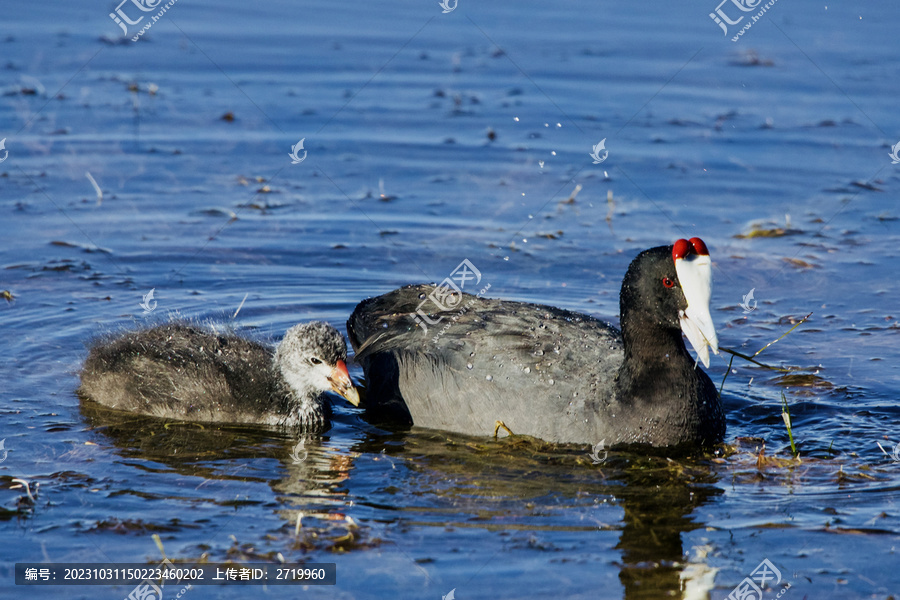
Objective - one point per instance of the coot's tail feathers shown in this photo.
(408, 319)
(387, 322)
(385, 335)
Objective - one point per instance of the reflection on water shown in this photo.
(531, 485)
(511, 484)
(308, 486)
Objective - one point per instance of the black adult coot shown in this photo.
(183, 371)
(547, 372)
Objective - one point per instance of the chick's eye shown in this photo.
(668, 282)
(315, 361)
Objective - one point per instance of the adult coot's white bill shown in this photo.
(551, 373)
(181, 371)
